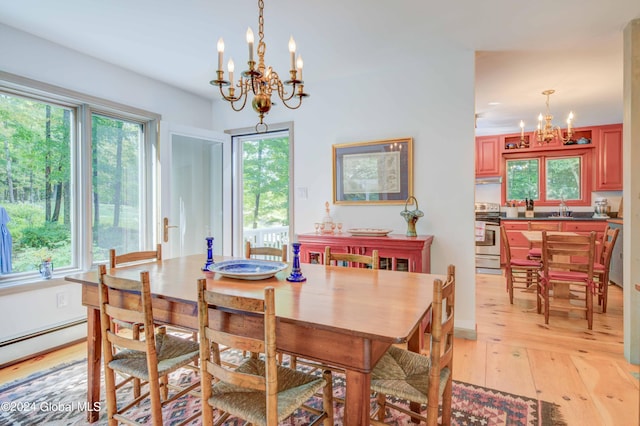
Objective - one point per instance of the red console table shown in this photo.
(397, 252)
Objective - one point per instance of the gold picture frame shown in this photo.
(376, 172)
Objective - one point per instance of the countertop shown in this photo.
(547, 216)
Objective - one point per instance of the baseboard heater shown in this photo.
(41, 342)
(42, 332)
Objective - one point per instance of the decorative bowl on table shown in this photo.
(369, 232)
(248, 269)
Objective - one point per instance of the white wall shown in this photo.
(28, 56)
(39, 59)
(437, 110)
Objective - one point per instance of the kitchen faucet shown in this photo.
(563, 208)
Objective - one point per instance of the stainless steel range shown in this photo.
(488, 238)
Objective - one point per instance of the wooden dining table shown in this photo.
(346, 317)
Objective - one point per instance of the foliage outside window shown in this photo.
(35, 176)
(264, 173)
(43, 184)
(563, 178)
(548, 178)
(523, 178)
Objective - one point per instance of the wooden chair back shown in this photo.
(211, 308)
(116, 260)
(270, 253)
(358, 260)
(542, 226)
(505, 243)
(568, 261)
(441, 352)
(608, 242)
(602, 272)
(138, 311)
(560, 252)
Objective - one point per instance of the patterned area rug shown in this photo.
(57, 397)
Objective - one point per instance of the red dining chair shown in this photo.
(535, 250)
(601, 267)
(567, 260)
(520, 273)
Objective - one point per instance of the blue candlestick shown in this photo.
(296, 274)
(209, 254)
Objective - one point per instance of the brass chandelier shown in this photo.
(260, 80)
(546, 131)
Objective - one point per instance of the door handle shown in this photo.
(165, 233)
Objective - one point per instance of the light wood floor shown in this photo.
(583, 371)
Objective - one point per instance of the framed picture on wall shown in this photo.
(377, 172)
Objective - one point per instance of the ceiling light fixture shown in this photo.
(548, 132)
(260, 80)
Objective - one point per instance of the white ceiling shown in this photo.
(572, 46)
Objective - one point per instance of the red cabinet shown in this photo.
(397, 252)
(488, 156)
(609, 158)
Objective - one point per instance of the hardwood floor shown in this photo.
(581, 370)
(584, 371)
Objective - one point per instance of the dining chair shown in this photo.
(535, 249)
(418, 378)
(340, 259)
(258, 390)
(519, 273)
(603, 264)
(269, 253)
(115, 261)
(150, 360)
(351, 259)
(132, 258)
(567, 260)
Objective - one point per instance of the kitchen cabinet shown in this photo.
(609, 158)
(396, 251)
(488, 157)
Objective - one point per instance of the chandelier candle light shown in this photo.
(546, 132)
(260, 79)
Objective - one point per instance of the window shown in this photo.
(549, 177)
(116, 186)
(75, 180)
(264, 173)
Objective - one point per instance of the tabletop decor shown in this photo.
(411, 216)
(378, 172)
(209, 261)
(369, 232)
(248, 269)
(296, 273)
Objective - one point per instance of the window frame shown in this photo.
(586, 172)
(84, 107)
